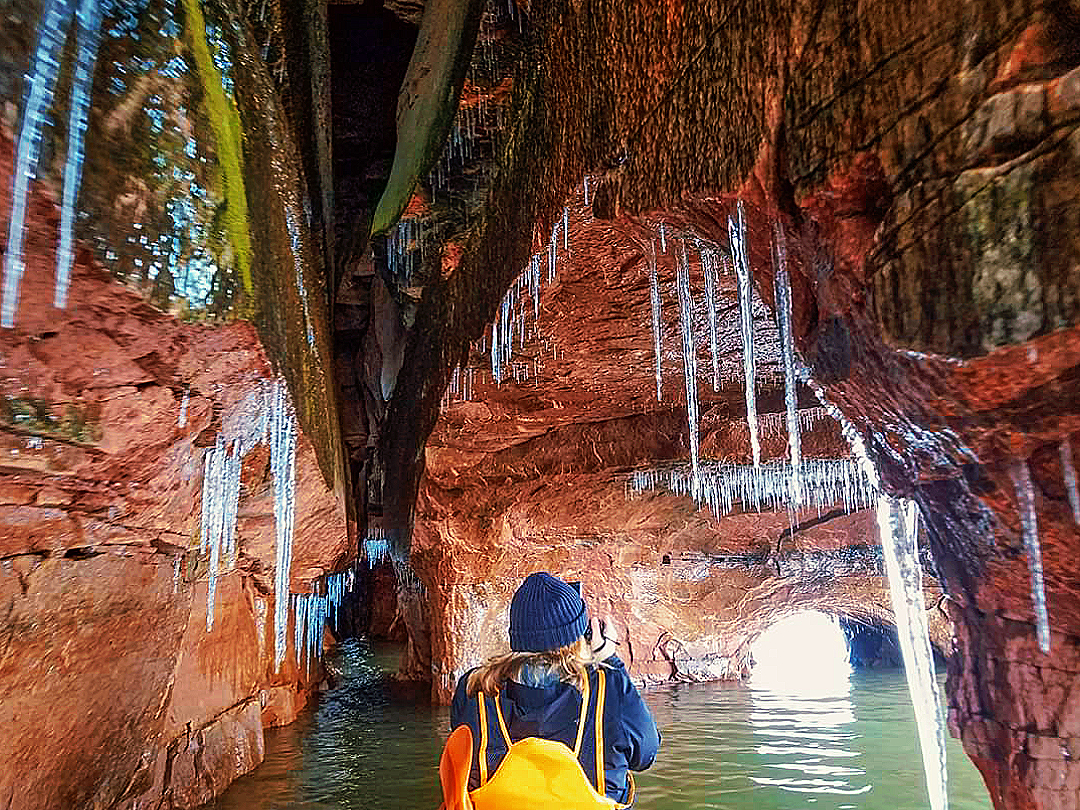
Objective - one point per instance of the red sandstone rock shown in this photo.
(112, 691)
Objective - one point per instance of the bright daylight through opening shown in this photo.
(804, 654)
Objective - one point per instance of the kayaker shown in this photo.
(557, 657)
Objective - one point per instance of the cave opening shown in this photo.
(803, 654)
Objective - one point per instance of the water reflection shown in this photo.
(801, 696)
(728, 746)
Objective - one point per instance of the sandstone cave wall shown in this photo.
(196, 288)
(112, 689)
(922, 158)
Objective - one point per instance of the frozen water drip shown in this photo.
(709, 260)
(782, 293)
(897, 522)
(740, 258)
(44, 69)
(654, 298)
(1029, 533)
(282, 435)
(689, 351)
(88, 25)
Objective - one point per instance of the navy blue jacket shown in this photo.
(631, 739)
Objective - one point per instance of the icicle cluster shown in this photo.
(265, 415)
(740, 258)
(480, 114)
(1029, 531)
(721, 486)
(282, 430)
(689, 351)
(510, 322)
(405, 249)
(782, 293)
(376, 546)
(407, 581)
(220, 497)
(771, 425)
(897, 522)
(462, 386)
(44, 70)
(310, 613)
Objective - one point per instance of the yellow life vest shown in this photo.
(535, 774)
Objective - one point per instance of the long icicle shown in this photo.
(897, 521)
(1029, 532)
(782, 292)
(283, 466)
(920, 676)
(43, 73)
(689, 349)
(1068, 472)
(708, 271)
(740, 257)
(654, 297)
(88, 24)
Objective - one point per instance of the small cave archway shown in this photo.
(875, 644)
(371, 609)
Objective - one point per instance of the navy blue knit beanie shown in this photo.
(545, 614)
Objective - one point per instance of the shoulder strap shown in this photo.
(598, 730)
(584, 715)
(481, 758)
(502, 721)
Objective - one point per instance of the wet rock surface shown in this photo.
(922, 163)
(117, 688)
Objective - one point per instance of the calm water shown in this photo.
(726, 746)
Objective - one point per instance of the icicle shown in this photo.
(914, 632)
(300, 606)
(181, 420)
(232, 501)
(897, 522)
(297, 244)
(566, 229)
(708, 268)
(689, 349)
(282, 464)
(1029, 531)
(654, 296)
(825, 482)
(43, 72)
(741, 259)
(88, 25)
(782, 292)
(663, 239)
(218, 466)
(1068, 472)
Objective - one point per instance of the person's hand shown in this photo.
(605, 638)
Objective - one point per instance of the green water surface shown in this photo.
(725, 745)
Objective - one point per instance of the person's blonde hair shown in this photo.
(568, 664)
